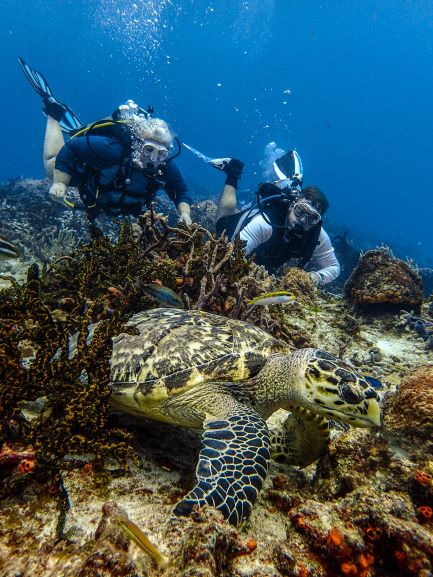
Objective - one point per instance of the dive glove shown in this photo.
(233, 170)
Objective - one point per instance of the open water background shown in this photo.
(348, 83)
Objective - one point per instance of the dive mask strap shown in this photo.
(177, 153)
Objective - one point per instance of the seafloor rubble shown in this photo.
(70, 469)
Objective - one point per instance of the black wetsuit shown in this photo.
(283, 245)
(101, 168)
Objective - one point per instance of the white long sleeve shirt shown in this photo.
(323, 259)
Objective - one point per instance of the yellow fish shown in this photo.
(133, 532)
(274, 298)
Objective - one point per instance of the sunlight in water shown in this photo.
(139, 26)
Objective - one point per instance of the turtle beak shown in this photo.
(374, 414)
(367, 414)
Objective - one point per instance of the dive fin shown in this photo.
(289, 166)
(68, 120)
(36, 79)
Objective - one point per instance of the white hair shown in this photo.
(150, 129)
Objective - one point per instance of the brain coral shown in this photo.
(381, 279)
(411, 409)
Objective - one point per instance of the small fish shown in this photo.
(7, 249)
(375, 383)
(133, 532)
(274, 298)
(164, 295)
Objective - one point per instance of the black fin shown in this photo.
(36, 79)
(68, 120)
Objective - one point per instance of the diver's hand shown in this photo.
(58, 191)
(316, 279)
(233, 170)
(184, 211)
(185, 218)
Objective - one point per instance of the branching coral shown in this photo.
(76, 392)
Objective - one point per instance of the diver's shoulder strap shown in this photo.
(234, 223)
(106, 127)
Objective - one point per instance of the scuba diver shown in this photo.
(118, 164)
(284, 225)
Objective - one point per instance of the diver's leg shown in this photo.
(53, 142)
(227, 202)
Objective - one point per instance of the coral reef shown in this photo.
(411, 409)
(420, 326)
(365, 509)
(43, 229)
(381, 280)
(74, 419)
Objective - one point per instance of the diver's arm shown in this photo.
(61, 182)
(184, 211)
(227, 202)
(177, 190)
(323, 261)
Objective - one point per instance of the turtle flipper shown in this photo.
(298, 438)
(232, 466)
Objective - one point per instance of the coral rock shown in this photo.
(411, 409)
(381, 279)
(298, 282)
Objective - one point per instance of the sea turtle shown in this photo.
(200, 370)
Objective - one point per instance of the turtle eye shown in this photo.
(349, 394)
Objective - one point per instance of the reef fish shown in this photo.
(376, 384)
(7, 249)
(164, 295)
(141, 540)
(274, 298)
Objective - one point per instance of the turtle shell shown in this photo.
(178, 349)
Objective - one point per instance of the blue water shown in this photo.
(347, 83)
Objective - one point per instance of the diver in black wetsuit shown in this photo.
(118, 164)
(284, 227)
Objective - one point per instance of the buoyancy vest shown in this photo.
(114, 176)
(283, 245)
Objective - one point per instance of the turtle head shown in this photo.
(333, 389)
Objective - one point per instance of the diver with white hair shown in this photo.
(118, 163)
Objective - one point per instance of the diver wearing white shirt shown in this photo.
(284, 228)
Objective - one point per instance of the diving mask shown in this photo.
(305, 213)
(155, 151)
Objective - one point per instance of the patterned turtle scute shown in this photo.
(326, 365)
(345, 375)
(199, 370)
(349, 395)
(324, 355)
(192, 344)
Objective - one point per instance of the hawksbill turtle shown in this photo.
(200, 370)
